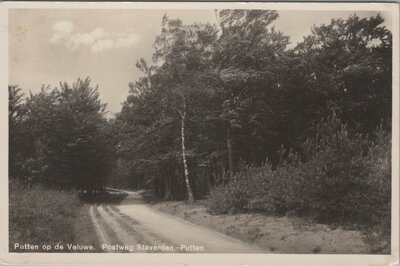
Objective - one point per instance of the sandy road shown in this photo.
(133, 226)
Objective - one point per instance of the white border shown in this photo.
(263, 259)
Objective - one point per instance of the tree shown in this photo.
(70, 148)
(250, 60)
(348, 65)
(19, 135)
(146, 113)
(184, 51)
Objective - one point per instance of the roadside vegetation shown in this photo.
(40, 216)
(339, 178)
(58, 162)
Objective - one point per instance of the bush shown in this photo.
(346, 176)
(340, 177)
(41, 216)
(222, 199)
(376, 207)
(242, 190)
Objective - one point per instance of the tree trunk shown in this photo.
(167, 185)
(185, 166)
(229, 145)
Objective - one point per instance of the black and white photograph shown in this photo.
(201, 130)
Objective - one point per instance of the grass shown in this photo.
(40, 216)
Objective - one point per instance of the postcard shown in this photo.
(199, 133)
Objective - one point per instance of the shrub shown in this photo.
(41, 216)
(221, 200)
(340, 177)
(242, 190)
(332, 179)
(376, 207)
(346, 176)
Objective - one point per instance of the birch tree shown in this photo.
(183, 52)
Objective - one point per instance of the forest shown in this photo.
(230, 113)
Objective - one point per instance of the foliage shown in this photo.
(340, 177)
(244, 191)
(62, 134)
(41, 216)
(347, 66)
(245, 95)
(19, 135)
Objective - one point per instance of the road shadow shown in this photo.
(149, 197)
(104, 197)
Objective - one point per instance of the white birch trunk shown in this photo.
(185, 166)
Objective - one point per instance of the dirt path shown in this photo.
(282, 235)
(133, 226)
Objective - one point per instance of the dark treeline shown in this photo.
(230, 111)
(59, 137)
(220, 98)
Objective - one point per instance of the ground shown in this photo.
(273, 234)
(141, 225)
(133, 225)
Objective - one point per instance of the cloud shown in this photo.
(80, 39)
(120, 42)
(61, 30)
(103, 45)
(98, 32)
(63, 26)
(98, 40)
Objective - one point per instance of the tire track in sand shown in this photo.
(143, 235)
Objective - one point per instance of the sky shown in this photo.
(48, 46)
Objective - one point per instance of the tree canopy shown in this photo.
(242, 95)
(65, 136)
(214, 100)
